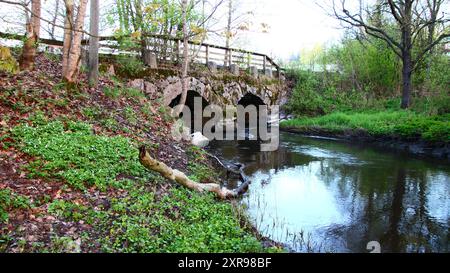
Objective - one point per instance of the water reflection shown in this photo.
(322, 195)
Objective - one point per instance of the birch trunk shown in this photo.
(94, 43)
(72, 46)
(68, 23)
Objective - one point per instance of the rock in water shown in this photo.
(7, 61)
(199, 140)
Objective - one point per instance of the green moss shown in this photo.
(7, 62)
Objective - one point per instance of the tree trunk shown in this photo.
(72, 63)
(68, 23)
(406, 80)
(407, 54)
(228, 32)
(152, 164)
(33, 29)
(185, 65)
(94, 43)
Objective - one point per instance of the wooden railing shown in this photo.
(170, 49)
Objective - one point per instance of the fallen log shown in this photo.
(150, 163)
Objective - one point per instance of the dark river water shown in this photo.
(317, 195)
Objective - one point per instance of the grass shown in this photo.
(125, 92)
(140, 219)
(404, 124)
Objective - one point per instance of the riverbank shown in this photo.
(399, 130)
(71, 181)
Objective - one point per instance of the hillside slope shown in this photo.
(70, 179)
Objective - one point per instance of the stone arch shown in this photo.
(174, 90)
(247, 100)
(191, 95)
(190, 100)
(251, 99)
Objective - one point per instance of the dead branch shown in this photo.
(150, 163)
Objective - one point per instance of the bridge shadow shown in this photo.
(250, 100)
(190, 99)
(247, 100)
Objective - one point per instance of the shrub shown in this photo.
(129, 66)
(7, 62)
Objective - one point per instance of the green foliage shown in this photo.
(357, 75)
(92, 112)
(202, 173)
(181, 221)
(367, 66)
(132, 93)
(10, 201)
(198, 167)
(130, 115)
(71, 152)
(311, 97)
(151, 16)
(129, 66)
(112, 92)
(406, 124)
(7, 61)
(74, 212)
(129, 93)
(138, 220)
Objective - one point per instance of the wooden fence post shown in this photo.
(264, 63)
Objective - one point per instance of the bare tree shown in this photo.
(33, 26)
(94, 43)
(411, 18)
(238, 20)
(52, 25)
(228, 30)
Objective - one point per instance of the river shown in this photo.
(324, 195)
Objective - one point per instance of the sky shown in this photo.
(294, 25)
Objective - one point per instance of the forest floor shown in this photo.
(71, 181)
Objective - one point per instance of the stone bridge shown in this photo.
(219, 89)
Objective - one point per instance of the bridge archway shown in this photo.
(247, 100)
(190, 100)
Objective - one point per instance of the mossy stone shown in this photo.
(7, 62)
